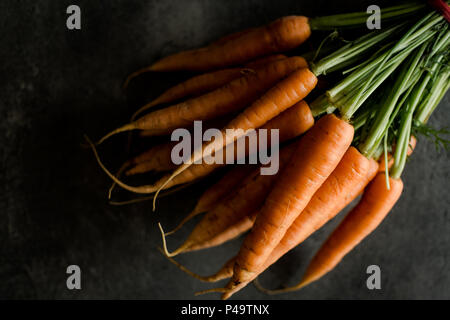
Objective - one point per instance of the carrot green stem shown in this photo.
(382, 120)
(436, 93)
(386, 161)
(352, 51)
(351, 104)
(377, 154)
(438, 76)
(362, 75)
(416, 32)
(401, 149)
(321, 105)
(331, 36)
(357, 19)
(367, 62)
(362, 118)
(349, 107)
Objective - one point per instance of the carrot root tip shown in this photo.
(127, 127)
(102, 166)
(144, 108)
(158, 191)
(168, 180)
(118, 174)
(220, 290)
(166, 252)
(182, 223)
(258, 286)
(134, 75)
(186, 270)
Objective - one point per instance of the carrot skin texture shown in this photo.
(212, 229)
(291, 123)
(210, 81)
(230, 98)
(217, 192)
(206, 82)
(297, 232)
(157, 158)
(317, 155)
(281, 35)
(376, 203)
(230, 36)
(261, 62)
(282, 96)
(343, 185)
(194, 86)
(229, 231)
(222, 274)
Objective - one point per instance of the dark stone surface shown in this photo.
(58, 84)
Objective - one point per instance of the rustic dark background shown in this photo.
(57, 84)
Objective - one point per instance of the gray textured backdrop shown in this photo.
(58, 84)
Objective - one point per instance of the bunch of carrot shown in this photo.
(352, 139)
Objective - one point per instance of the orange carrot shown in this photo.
(281, 35)
(227, 99)
(375, 204)
(261, 62)
(156, 158)
(343, 185)
(316, 156)
(193, 87)
(231, 36)
(161, 160)
(204, 83)
(234, 211)
(201, 83)
(229, 232)
(218, 42)
(291, 123)
(219, 191)
(314, 216)
(282, 96)
(212, 123)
